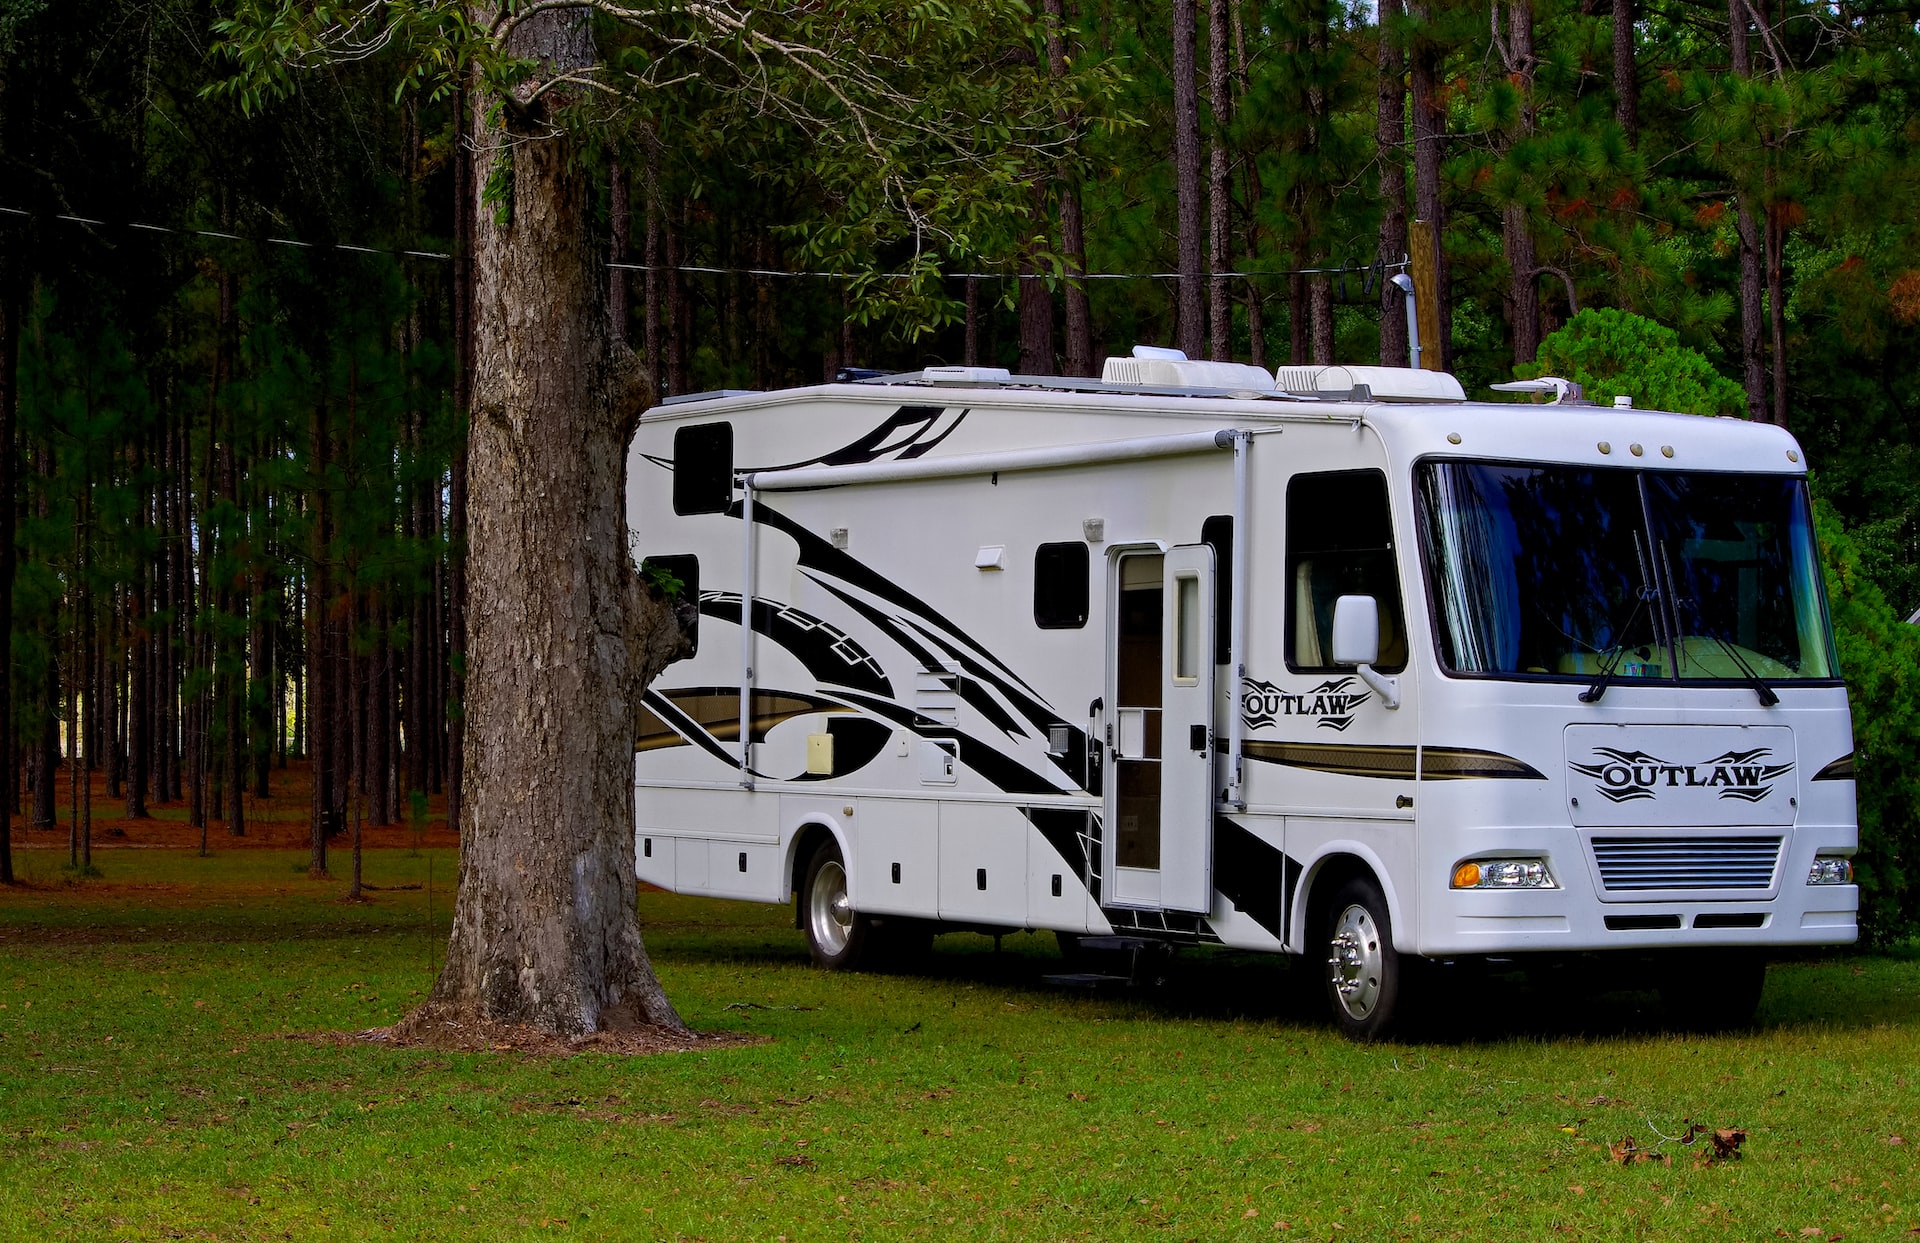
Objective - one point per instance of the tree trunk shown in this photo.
(1254, 193)
(1036, 323)
(1753, 373)
(1073, 235)
(11, 306)
(1190, 313)
(1219, 192)
(1516, 235)
(1390, 140)
(1626, 80)
(544, 928)
(1429, 142)
(319, 752)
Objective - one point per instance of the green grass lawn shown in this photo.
(153, 1083)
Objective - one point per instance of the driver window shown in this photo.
(1340, 543)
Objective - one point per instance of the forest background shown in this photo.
(234, 330)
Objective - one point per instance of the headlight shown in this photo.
(1503, 874)
(1830, 870)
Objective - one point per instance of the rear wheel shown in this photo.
(1365, 977)
(837, 935)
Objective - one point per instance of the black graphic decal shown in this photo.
(815, 553)
(828, 653)
(1039, 715)
(1630, 776)
(857, 742)
(906, 434)
(1332, 703)
(1840, 770)
(1070, 833)
(998, 769)
(1251, 872)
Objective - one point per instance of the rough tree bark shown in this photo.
(1219, 194)
(1752, 368)
(1516, 236)
(561, 633)
(1190, 312)
(1429, 145)
(1073, 233)
(1626, 75)
(1390, 135)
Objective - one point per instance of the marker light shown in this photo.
(1830, 870)
(1503, 874)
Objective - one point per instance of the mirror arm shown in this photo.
(1387, 688)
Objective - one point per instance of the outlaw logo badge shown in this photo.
(1332, 702)
(1626, 776)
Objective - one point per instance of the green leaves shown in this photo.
(1613, 353)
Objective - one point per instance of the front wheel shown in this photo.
(837, 935)
(1365, 976)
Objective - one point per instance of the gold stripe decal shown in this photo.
(1840, 770)
(1331, 757)
(1396, 763)
(1465, 764)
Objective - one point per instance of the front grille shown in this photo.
(1638, 863)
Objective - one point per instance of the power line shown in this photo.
(1371, 269)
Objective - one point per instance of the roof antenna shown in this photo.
(1565, 392)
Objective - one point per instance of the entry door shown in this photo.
(1159, 795)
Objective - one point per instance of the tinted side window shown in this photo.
(685, 568)
(1061, 586)
(703, 468)
(1340, 543)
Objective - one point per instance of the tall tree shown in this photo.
(1190, 321)
(1390, 138)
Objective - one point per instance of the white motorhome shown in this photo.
(1201, 655)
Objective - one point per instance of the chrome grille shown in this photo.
(1635, 863)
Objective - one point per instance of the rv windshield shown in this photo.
(1632, 575)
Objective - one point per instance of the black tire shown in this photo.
(838, 937)
(1712, 990)
(1365, 977)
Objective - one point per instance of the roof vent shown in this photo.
(1154, 366)
(1382, 383)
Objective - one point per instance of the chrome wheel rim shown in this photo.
(1355, 961)
(828, 913)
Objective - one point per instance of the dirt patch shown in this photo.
(484, 1037)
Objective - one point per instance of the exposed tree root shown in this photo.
(438, 1026)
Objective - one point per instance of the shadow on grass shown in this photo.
(1582, 998)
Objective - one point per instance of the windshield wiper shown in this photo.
(1766, 693)
(1611, 661)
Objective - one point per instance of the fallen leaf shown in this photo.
(1726, 1143)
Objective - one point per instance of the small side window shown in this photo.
(683, 569)
(703, 468)
(1340, 543)
(1061, 586)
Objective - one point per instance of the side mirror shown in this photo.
(1356, 630)
(1356, 642)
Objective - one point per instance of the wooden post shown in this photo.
(1423, 247)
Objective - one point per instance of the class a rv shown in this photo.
(1332, 663)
